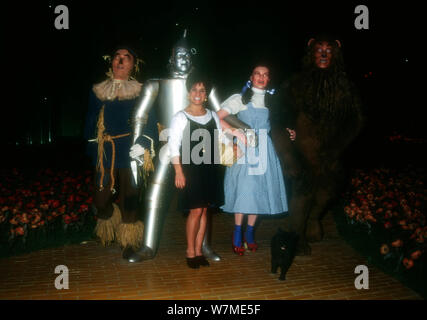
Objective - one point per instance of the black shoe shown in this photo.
(193, 263)
(202, 261)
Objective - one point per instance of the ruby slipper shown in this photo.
(250, 246)
(237, 250)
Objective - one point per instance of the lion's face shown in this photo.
(322, 54)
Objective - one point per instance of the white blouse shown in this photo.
(178, 124)
(234, 103)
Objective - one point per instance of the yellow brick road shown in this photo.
(100, 273)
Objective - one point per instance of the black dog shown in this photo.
(283, 248)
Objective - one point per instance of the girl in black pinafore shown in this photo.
(198, 174)
(204, 181)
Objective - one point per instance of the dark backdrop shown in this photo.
(53, 70)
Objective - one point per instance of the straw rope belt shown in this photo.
(102, 137)
(108, 138)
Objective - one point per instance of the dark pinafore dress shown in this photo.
(203, 173)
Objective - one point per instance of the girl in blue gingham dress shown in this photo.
(254, 184)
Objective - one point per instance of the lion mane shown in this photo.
(326, 96)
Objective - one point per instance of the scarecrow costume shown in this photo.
(108, 130)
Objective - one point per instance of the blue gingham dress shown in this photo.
(255, 185)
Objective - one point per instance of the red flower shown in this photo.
(397, 243)
(388, 225)
(36, 219)
(370, 218)
(55, 203)
(388, 214)
(67, 219)
(19, 231)
(24, 218)
(419, 231)
(408, 263)
(416, 254)
(62, 209)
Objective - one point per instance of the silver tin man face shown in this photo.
(181, 62)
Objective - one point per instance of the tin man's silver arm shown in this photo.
(215, 103)
(140, 117)
(232, 120)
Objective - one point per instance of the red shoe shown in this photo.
(240, 251)
(250, 246)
